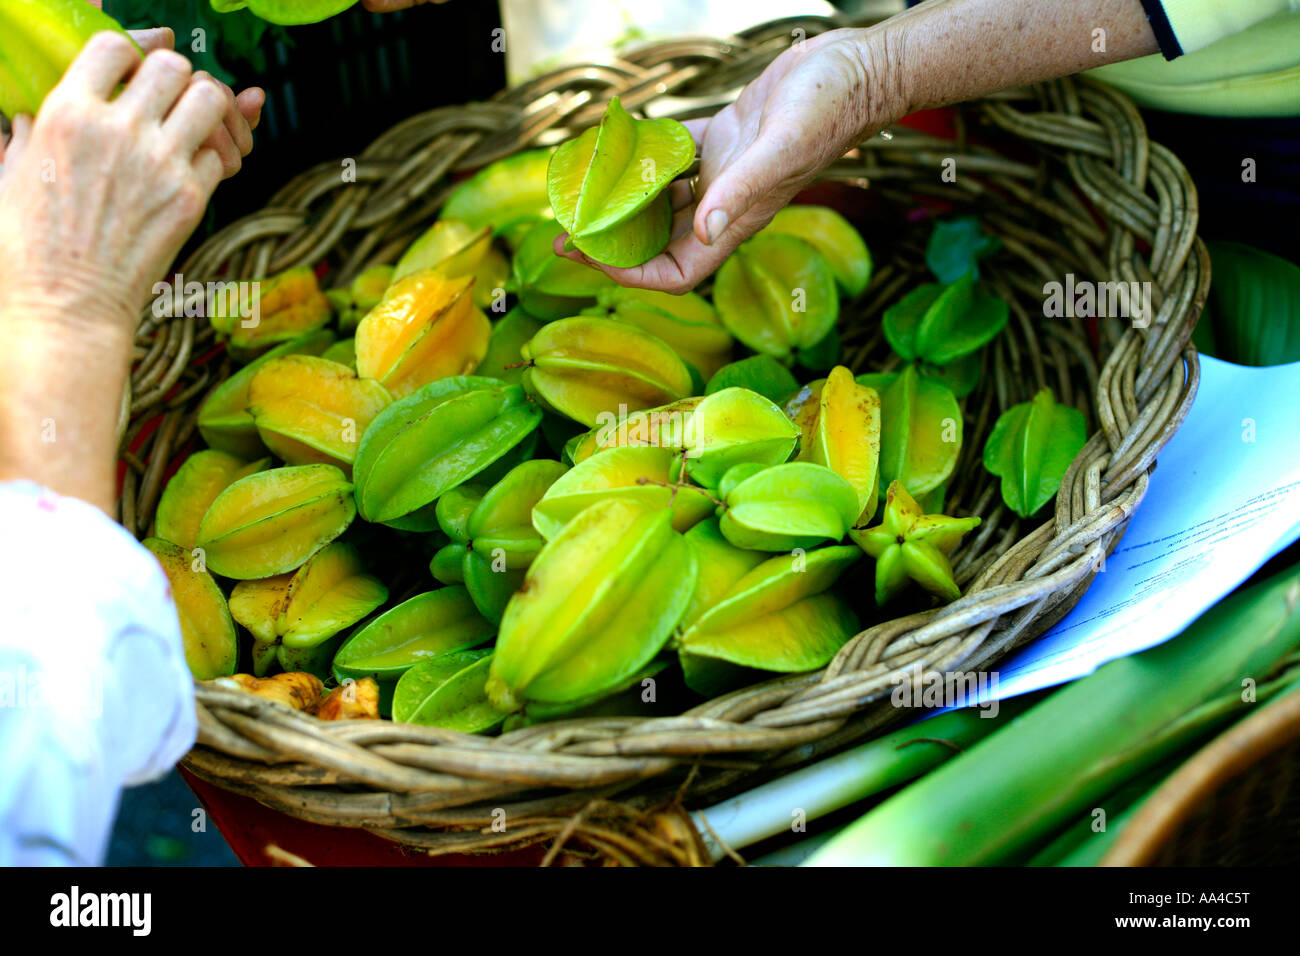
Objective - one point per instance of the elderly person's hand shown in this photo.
(813, 103)
(97, 196)
(825, 95)
(234, 139)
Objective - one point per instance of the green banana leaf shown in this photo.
(1253, 313)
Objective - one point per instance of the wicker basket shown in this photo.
(1064, 173)
(1235, 803)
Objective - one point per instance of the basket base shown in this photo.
(252, 829)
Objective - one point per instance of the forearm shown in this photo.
(59, 408)
(946, 51)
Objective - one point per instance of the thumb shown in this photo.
(739, 187)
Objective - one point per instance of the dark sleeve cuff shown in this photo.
(1159, 20)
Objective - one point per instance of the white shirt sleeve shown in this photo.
(94, 690)
(1195, 24)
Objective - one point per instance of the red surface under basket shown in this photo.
(251, 828)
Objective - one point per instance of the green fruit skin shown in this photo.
(438, 437)
(783, 507)
(599, 602)
(288, 13)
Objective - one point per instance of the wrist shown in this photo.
(887, 87)
(62, 323)
(62, 391)
(68, 290)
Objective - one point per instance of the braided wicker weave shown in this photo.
(1068, 180)
(1235, 803)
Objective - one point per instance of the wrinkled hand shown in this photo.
(811, 105)
(233, 140)
(243, 112)
(99, 194)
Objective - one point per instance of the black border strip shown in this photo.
(1161, 27)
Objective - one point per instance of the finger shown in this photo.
(241, 134)
(197, 115)
(232, 161)
(18, 137)
(155, 38)
(20, 128)
(738, 187)
(387, 6)
(208, 171)
(251, 102)
(683, 219)
(102, 66)
(678, 269)
(681, 193)
(236, 137)
(157, 85)
(697, 127)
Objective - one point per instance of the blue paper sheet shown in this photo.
(1224, 498)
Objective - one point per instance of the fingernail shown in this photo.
(715, 225)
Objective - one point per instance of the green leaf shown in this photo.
(956, 246)
(1031, 447)
(1253, 313)
(447, 692)
(287, 12)
(234, 41)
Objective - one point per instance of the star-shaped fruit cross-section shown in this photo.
(911, 544)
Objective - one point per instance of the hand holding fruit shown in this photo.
(811, 105)
(98, 194)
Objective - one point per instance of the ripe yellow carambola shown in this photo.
(426, 328)
(311, 410)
